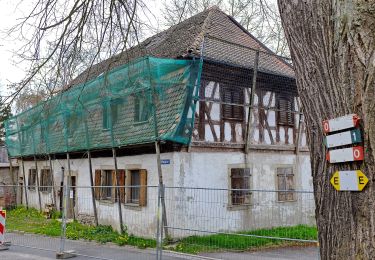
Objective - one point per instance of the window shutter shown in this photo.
(227, 98)
(97, 183)
(233, 95)
(285, 181)
(143, 188)
(122, 183)
(237, 99)
(114, 183)
(285, 105)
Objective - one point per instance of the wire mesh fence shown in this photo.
(219, 223)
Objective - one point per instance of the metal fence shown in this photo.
(164, 222)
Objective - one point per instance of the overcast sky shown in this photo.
(8, 70)
(9, 12)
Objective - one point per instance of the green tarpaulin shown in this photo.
(137, 103)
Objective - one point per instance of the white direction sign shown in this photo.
(345, 155)
(349, 180)
(344, 138)
(340, 123)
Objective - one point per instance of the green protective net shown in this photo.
(146, 100)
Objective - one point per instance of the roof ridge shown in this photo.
(196, 46)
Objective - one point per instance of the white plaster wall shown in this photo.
(200, 208)
(139, 220)
(194, 206)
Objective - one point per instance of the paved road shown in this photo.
(113, 252)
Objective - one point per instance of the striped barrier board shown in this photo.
(340, 123)
(345, 155)
(349, 180)
(2, 226)
(344, 138)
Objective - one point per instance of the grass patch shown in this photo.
(235, 242)
(32, 221)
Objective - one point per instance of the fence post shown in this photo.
(159, 224)
(65, 202)
(62, 254)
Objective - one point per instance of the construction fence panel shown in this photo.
(241, 223)
(209, 222)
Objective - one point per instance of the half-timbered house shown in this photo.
(241, 140)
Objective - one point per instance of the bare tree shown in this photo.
(259, 17)
(60, 35)
(332, 45)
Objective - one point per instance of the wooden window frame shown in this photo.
(101, 193)
(232, 108)
(142, 200)
(45, 184)
(244, 197)
(31, 185)
(285, 117)
(289, 195)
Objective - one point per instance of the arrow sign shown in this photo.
(349, 180)
(345, 155)
(340, 123)
(344, 138)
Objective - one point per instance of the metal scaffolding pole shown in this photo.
(118, 197)
(53, 182)
(37, 183)
(24, 183)
(92, 189)
(251, 103)
(68, 182)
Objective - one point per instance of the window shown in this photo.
(73, 123)
(285, 183)
(137, 188)
(110, 114)
(32, 179)
(232, 95)
(104, 182)
(284, 115)
(141, 108)
(240, 185)
(45, 180)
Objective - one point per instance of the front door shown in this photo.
(72, 198)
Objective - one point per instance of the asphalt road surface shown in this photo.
(28, 246)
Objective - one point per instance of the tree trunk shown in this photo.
(332, 45)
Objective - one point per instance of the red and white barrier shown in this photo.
(2, 226)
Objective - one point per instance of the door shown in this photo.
(72, 198)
